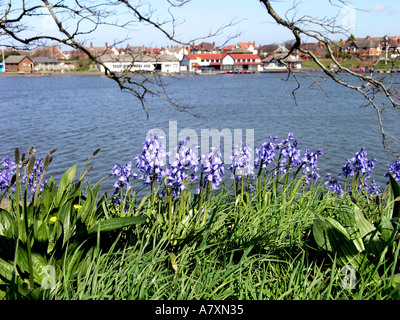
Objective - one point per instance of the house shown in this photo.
(267, 49)
(193, 62)
(280, 60)
(204, 47)
(140, 63)
(221, 62)
(177, 51)
(20, 63)
(249, 46)
(316, 48)
(242, 62)
(45, 63)
(53, 52)
(363, 47)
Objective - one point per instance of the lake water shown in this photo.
(80, 114)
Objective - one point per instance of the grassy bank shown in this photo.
(273, 236)
(353, 63)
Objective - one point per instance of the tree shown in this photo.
(377, 93)
(80, 18)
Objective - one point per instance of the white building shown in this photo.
(279, 60)
(147, 63)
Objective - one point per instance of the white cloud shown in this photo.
(377, 7)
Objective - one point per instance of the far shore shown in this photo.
(52, 74)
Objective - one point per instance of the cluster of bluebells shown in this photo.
(241, 162)
(310, 162)
(284, 156)
(289, 157)
(152, 160)
(357, 166)
(178, 172)
(10, 168)
(394, 170)
(266, 154)
(123, 175)
(212, 167)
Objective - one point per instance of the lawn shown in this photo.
(278, 233)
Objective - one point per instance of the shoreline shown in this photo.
(101, 74)
(53, 74)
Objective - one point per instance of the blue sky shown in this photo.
(199, 17)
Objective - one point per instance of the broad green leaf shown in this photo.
(42, 233)
(65, 218)
(115, 223)
(65, 183)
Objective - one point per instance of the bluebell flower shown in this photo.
(212, 167)
(289, 153)
(373, 188)
(394, 170)
(152, 160)
(359, 164)
(184, 161)
(123, 175)
(310, 162)
(241, 162)
(10, 168)
(266, 154)
(334, 185)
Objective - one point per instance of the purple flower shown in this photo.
(10, 169)
(212, 167)
(241, 162)
(184, 161)
(123, 173)
(394, 170)
(289, 154)
(266, 154)
(310, 162)
(151, 162)
(333, 185)
(373, 188)
(360, 164)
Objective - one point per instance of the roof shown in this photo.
(45, 60)
(15, 59)
(281, 56)
(246, 45)
(244, 56)
(204, 46)
(206, 56)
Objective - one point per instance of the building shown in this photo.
(280, 60)
(19, 63)
(221, 62)
(178, 51)
(364, 47)
(195, 62)
(45, 63)
(204, 47)
(140, 63)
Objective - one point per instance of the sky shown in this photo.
(198, 18)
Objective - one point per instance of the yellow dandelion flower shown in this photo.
(77, 206)
(53, 219)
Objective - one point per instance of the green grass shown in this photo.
(395, 64)
(234, 245)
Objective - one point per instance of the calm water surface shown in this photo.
(80, 114)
